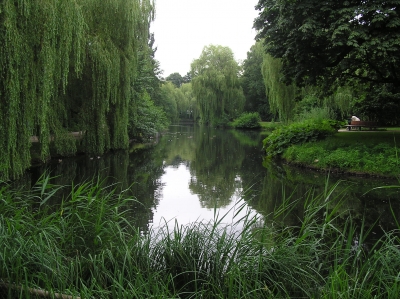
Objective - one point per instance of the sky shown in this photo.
(183, 27)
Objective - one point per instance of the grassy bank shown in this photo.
(85, 246)
(374, 153)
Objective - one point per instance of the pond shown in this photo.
(191, 173)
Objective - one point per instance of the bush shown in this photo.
(146, 120)
(247, 121)
(298, 133)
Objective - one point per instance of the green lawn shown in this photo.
(369, 137)
(373, 152)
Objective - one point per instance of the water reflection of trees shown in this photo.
(179, 145)
(137, 173)
(221, 163)
(218, 156)
(359, 198)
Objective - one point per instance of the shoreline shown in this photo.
(337, 171)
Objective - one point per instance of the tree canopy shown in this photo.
(67, 65)
(281, 97)
(216, 85)
(334, 41)
(253, 84)
(176, 79)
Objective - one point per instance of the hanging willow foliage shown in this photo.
(67, 64)
(38, 41)
(216, 85)
(343, 100)
(281, 97)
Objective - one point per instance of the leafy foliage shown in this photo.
(298, 133)
(247, 121)
(281, 97)
(216, 84)
(176, 79)
(189, 107)
(67, 64)
(147, 120)
(253, 84)
(380, 105)
(168, 101)
(333, 42)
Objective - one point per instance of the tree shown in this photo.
(281, 97)
(187, 78)
(168, 101)
(216, 85)
(147, 120)
(145, 117)
(67, 65)
(333, 42)
(253, 84)
(176, 79)
(191, 109)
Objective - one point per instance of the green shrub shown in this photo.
(298, 133)
(147, 119)
(247, 121)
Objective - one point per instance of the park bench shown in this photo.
(372, 125)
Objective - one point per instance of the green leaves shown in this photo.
(320, 42)
(216, 85)
(67, 65)
(297, 133)
(247, 121)
(147, 119)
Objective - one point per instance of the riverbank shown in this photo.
(87, 247)
(322, 144)
(367, 153)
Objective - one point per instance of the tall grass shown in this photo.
(86, 246)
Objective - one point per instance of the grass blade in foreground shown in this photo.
(87, 247)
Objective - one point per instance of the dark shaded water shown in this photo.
(191, 170)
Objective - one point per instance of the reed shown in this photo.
(86, 246)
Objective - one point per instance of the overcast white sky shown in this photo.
(183, 27)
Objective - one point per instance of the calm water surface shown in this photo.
(191, 173)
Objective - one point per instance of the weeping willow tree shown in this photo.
(40, 40)
(342, 99)
(117, 30)
(190, 100)
(216, 85)
(67, 64)
(281, 96)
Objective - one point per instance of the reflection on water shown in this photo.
(191, 170)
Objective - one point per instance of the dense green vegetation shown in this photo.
(86, 246)
(253, 84)
(216, 85)
(297, 133)
(95, 72)
(88, 65)
(247, 121)
(373, 153)
(333, 42)
(72, 66)
(330, 65)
